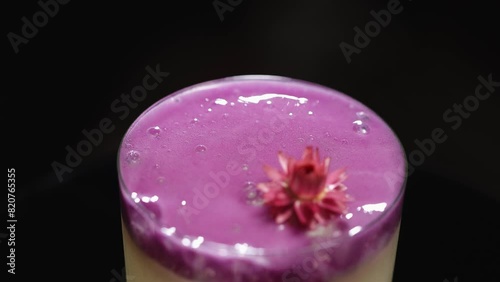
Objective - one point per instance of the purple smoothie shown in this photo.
(189, 165)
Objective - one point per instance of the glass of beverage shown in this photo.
(260, 178)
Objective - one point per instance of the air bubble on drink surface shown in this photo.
(362, 115)
(250, 190)
(360, 127)
(160, 180)
(154, 131)
(253, 195)
(133, 157)
(200, 148)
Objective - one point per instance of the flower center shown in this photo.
(303, 198)
(308, 169)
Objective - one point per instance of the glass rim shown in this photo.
(209, 246)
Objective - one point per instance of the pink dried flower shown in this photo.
(304, 190)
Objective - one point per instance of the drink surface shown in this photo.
(192, 161)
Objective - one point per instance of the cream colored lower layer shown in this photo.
(141, 268)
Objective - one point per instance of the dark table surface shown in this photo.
(416, 72)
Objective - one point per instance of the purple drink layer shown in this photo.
(189, 167)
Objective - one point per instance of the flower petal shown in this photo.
(274, 194)
(308, 154)
(284, 216)
(326, 165)
(283, 159)
(336, 177)
(273, 173)
(265, 187)
(333, 203)
(316, 155)
(290, 166)
(299, 188)
(340, 187)
(281, 199)
(303, 212)
(319, 218)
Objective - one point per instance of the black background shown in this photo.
(426, 60)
